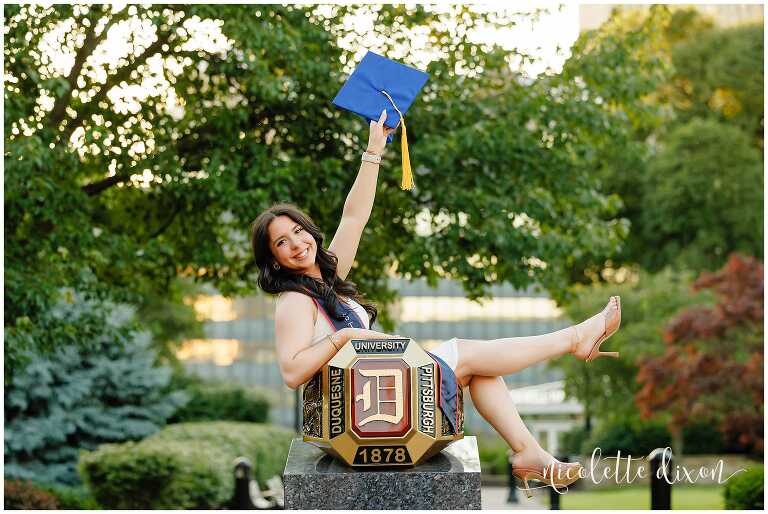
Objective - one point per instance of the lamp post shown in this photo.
(661, 489)
(512, 497)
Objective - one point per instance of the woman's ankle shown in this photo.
(573, 342)
(532, 449)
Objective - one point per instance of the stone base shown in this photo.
(449, 480)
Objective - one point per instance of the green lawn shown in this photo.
(639, 497)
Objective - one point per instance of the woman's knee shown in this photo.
(464, 380)
(463, 369)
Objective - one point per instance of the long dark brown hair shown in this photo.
(273, 281)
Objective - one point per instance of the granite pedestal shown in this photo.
(449, 480)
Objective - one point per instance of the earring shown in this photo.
(275, 266)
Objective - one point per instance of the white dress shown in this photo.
(323, 327)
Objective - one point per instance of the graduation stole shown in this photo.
(407, 182)
(349, 316)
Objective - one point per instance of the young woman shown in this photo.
(309, 280)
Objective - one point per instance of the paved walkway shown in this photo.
(495, 498)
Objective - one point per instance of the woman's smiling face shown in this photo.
(293, 247)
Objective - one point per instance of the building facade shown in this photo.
(239, 346)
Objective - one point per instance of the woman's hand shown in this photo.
(377, 138)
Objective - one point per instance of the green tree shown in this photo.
(622, 65)
(703, 197)
(126, 170)
(709, 101)
(171, 319)
(691, 187)
(719, 75)
(78, 399)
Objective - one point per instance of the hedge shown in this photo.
(637, 437)
(493, 453)
(265, 445)
(184, 466)
(745, 490)
(630, 436)
(222, 401)
(72, 498)
(572, 441)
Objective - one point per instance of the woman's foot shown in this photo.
(534, 463)
(589, 334)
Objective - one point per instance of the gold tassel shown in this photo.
(407, 182)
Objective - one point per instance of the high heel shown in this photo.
(556, 474)
(612, 322)
(527, 490)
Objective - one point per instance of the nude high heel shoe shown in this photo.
(555, 474)
(612, 319)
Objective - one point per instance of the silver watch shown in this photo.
(371, 157)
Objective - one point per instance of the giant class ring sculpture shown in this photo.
(379, 402)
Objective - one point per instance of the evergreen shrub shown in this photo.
(109, 390)
(628, 435)
(221, 401)
(745, 490)
(72, 498)
(572, 441)
(639, 437)
(184, 466)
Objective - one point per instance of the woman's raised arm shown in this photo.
(359, 203)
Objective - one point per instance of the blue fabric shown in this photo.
(349, 316)
(361, 93)
(448, 387)
(448, 392)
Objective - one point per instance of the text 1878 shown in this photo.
(373, 455)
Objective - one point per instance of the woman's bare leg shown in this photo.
(498, 357)
(491, 399)
(480, 364)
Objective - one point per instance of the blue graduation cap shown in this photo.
(379, 83)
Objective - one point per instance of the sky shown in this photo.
(548, 37)
(541, 37)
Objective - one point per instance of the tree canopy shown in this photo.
(717, 356)
(130, 164)
(695, 192)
